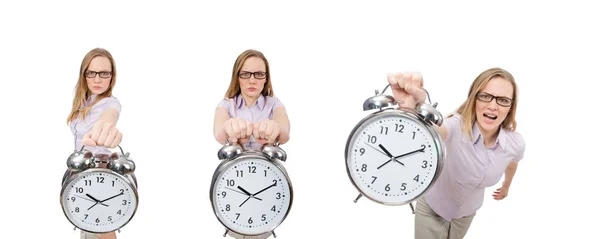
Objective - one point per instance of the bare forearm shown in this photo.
(509, 173)
(109, 116)
(280, 116)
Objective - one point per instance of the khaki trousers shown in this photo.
(429, 225)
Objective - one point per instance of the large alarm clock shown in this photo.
(251, 193)
(395, 154)
(99, 192)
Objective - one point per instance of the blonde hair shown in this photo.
(467, 109)
(82, 92)
(234, 85)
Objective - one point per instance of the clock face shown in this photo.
(251, 196)
(98, 200)
(392, 158)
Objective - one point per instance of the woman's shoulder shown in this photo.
(108, 102)
(273, 100)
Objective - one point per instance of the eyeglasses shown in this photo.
(102, 74)
(500, 100)
(257, 75)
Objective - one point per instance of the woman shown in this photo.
(481, 144)
(250, 114)
(95, 111)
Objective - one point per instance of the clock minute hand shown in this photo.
(264, 189)
(112, 197)
(409, 153)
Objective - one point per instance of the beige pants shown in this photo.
(239, 236)
(87, 235)
(429, 225)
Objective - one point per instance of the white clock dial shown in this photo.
(251, 196)
(99, 201)
(392, 158)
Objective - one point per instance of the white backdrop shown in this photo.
(174, 63)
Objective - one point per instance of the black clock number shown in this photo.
(416, 178)
(275, 182)
(364, 168)
(239, 173)
(387, 188)
(273, 208)
(264, 217)
(424, 164)
(224, 194)
(384, 129)
(227, 207)
(403, 187)
(237, 216)
(73, 199)
(374, 178)
(109, 218)
(230, 182)
(362, 151)
(97, 220)
(119, 212)
(265, 173)
(414, 133)
(88, 182)
(76, 209)
(278, 196)
(100, 179)
(113, 183)
(124, 202)
(85, 216)
(79, 190)
(250, 220)
(399, 128)
(371, 139)
(252, 169)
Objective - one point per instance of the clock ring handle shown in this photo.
(122, 152)
(426, 92)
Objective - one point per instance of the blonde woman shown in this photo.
(250, 114)
(482, 144)
(95, 110)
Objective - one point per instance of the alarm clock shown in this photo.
(99, 192)
(395, 154)
(251, 193)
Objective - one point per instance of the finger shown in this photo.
(262, 130)
(117, 140)
(106, 128)
(392, 80)
(399, 79)
(274, 135)
(110, 137)
(236, 129)
(417, 80)
(87, 140)
(406, 80)
(96, 130)
(256, 130)
(269, 130)
(242, 125)
(229, 131)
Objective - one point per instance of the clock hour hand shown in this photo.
(376, 149)
(87, 199)
(389, 155)
(97, 202)
(247, 193)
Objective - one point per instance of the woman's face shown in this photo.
(252, 77)
(493, 104)
(98, 75)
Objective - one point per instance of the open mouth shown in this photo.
(492, 117)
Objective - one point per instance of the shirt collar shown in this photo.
(260, 102)
(500, 139)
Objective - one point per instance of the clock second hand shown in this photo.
(247, 194)
(87, 199)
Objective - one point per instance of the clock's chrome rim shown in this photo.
(247, 155)
(78, 175)
(403, 112)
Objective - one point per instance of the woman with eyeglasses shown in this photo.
(481, 145)
(250, 114)
(95, 110)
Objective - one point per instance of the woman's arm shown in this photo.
(104, 132)
(280, 116)
(221, 116)
(509, 173)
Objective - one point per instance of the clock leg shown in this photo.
(412, 208)
(359, 196)
(226, 231)
(274, 236)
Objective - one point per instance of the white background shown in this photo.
(174, 64)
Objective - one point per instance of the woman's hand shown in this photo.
(266, 131)
(238, 129)
(407, 88)
(501, 193)
(103, 134)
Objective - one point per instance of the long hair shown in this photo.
(467, 109)
(82, 92)
(234, 85)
